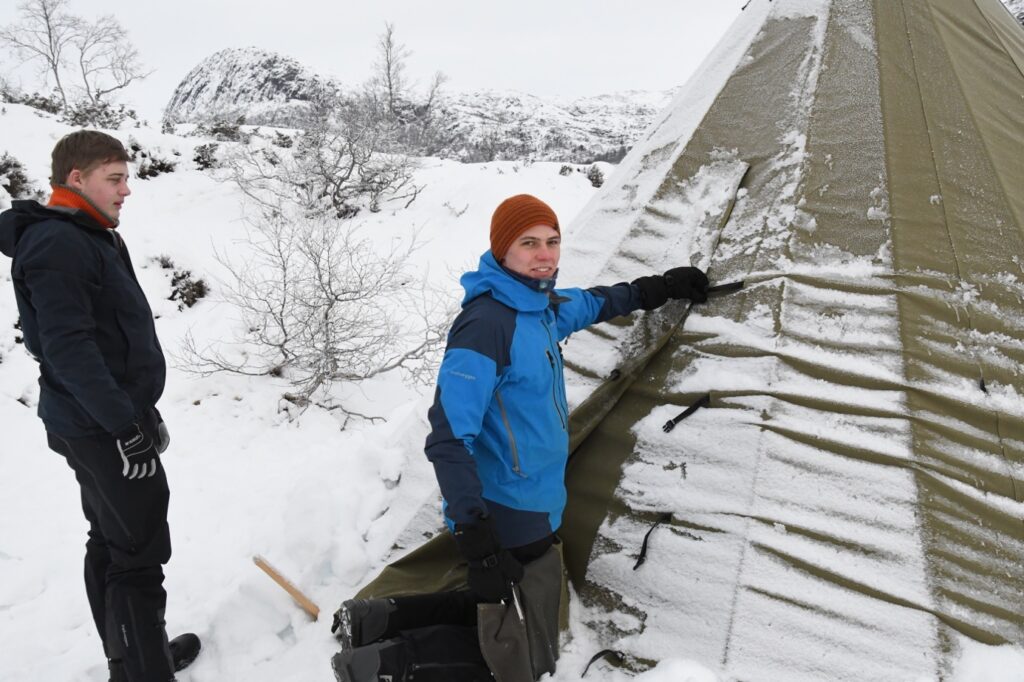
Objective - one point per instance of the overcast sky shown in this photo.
(544, 47)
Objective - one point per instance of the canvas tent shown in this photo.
(850, 502)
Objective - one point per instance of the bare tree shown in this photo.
(44, 34)
(432, 131)
(320, 304)
(434, 91)
(415, 118)
(97, 55)
(389, 78)
(107, 60)
(344, 159)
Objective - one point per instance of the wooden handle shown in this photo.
(302, 600)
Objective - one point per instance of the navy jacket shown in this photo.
(84, 318)
(499, 440)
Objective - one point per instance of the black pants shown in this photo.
(129, 542)
(436, 633)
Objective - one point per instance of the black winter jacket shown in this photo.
(84, 318)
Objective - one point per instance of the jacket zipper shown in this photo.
(554, 387)
(511, 436)
(556, 377)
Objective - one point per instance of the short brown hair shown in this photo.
(84, 150)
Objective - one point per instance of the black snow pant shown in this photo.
(434, 636)
(129, 541)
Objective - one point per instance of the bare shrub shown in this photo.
(186, 289)
(205, 156)
(319, 305)
(15, 181)
(343, 162)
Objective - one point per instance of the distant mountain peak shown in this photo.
(264, 86)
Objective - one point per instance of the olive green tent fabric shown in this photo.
(957, 198)
(850, 505)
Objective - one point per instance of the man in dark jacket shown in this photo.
(86, 321)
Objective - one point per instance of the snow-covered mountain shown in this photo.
(271, 89)
(264, 87)
(511, 125)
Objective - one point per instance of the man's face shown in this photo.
(106, 186)
(535, 253)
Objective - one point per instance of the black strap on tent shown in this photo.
(984, 388)
(618, 655)
(727, 288)
(703, 401)
(664, 518)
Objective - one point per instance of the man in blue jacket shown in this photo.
(499, 439)
(86, 321)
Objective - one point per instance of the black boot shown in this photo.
(184, 649)
(362, 621)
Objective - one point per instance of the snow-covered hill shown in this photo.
(271, 89)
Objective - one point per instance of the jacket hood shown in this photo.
(505, 286)
(23, 214)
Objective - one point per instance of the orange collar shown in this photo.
(69, 198)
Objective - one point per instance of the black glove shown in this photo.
(683, 282)
(687, 282)
(492, 570)
(137, 450)
(653, 291)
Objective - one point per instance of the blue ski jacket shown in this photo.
(499, 438)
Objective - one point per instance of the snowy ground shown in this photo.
(247, 476)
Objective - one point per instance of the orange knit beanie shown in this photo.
(514, 216)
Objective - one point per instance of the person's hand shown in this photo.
(687, 282)
(681, 282)
(163, 436)
(653, 291)
(138, 453)
(492, 570)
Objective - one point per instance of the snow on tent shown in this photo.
(849, 503)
